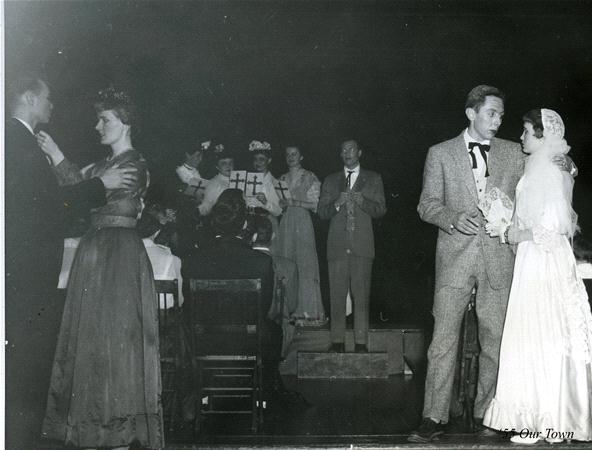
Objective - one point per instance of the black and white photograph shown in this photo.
(297, 224)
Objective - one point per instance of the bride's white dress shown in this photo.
(545, 377)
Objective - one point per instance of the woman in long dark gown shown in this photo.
(105, 385)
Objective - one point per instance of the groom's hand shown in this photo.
(467, 223)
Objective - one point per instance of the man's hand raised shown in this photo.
(119, 177)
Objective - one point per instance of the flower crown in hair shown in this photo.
(256, 146)
(205, 145)
(219, 148)
(110, 94)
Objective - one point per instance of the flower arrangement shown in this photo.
(497, 208)
(219, 148)
(259, 146)
(113, 95)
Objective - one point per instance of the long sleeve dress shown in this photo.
(545, 377)
(296, 241)
(105, 385)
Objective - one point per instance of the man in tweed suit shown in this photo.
(457, 175)
(351, 198)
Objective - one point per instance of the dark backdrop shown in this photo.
(393, 75)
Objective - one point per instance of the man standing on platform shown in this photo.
(351, 198)
(36, 209)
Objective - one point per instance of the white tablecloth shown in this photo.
(165, 265)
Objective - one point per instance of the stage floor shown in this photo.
(343, 414)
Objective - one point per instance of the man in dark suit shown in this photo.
(36, 207)
(351, 198)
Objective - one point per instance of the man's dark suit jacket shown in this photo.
(360, 242)
(231, 257)
(36, 207)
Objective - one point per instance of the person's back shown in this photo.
(230, 257)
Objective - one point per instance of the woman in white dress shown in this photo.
(544, 387)
(218, 184)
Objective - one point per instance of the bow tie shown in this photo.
(483, 148)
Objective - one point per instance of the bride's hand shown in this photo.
(492, 230)
(49, 147)
(516, 235)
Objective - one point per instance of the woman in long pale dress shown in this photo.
(105, 385)
(296, 238)
(544, 387)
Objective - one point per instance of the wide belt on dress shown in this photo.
(104, 220)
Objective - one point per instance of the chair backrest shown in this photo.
(168, 308)
(166, 286)
(226, 315)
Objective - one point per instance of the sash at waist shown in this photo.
(103, 221)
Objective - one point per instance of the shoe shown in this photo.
(337, 347)
(361, 348)
(483, 431)
(428, 431)
(526, 440)
(554, 440)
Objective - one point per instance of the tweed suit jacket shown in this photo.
(360, 241)
(449, 188)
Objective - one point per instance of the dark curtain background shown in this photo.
(392, 74)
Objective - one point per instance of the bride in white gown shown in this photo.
(544, 386)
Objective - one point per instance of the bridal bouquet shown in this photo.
(497, 208)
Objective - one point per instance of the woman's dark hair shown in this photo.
(535, 118)
(229, 213)
(264, 230)
(476, 98)
(119, 102)
(148, 225)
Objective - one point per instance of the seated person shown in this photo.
(153, 224)
(230, 256)
(162, 222)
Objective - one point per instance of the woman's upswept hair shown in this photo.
(120, 102)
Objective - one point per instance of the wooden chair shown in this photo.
(467, 368)
(169, 330)
(227, 330)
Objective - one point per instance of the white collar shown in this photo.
(468, 139)
(25, 124)
(355, 170)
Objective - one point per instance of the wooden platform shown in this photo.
(404, 345)
(342, 365)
